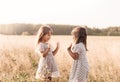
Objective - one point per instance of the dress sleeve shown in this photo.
(77, 49)
(40, 48)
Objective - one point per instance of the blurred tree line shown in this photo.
(31, 29)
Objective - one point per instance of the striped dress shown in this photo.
(80, 67)
(47, 65)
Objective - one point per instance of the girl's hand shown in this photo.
(69, 48)
(56, 49)
(49, 46)
(58, 45)
(74, 55)
(45, 53)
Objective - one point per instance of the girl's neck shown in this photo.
(44, 41)
(78, 43)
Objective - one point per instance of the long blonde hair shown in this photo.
(43, 30)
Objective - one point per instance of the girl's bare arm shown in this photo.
(56, 49)
(73, 55)
(44, 53)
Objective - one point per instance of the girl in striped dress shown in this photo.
(77, 51)
(47, 67)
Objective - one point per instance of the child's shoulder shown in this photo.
(78, 45)
(41, 44)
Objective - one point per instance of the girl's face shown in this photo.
(74, 36)
(47, 36)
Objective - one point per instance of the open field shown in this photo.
(18, 61)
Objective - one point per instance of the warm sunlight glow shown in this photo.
(95, 13)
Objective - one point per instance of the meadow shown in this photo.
(18, 60)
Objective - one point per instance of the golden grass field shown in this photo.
(18, 61)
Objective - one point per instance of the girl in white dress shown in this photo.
(77, 51)
(47, 67)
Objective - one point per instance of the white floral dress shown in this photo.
(80, 67)
(47, 65)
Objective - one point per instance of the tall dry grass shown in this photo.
(18, 61)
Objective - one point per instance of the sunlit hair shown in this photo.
(80, 35)
(43, 30)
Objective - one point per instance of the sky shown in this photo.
(93, 13)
